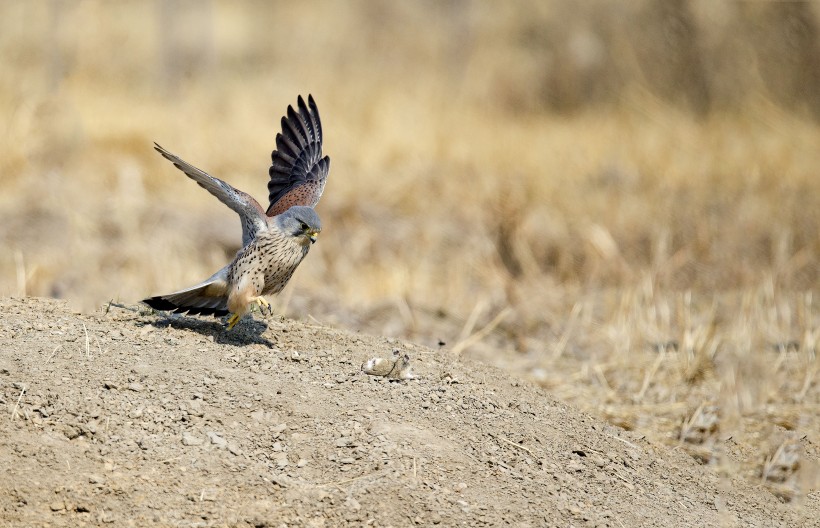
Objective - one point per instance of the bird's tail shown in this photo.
(209, 297)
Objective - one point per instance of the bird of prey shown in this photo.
(274, 240)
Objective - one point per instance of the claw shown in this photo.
(263, 303)
(233, 320)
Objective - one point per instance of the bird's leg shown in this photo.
(263, 303)
(233, 320)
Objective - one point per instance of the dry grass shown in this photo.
(633, 224)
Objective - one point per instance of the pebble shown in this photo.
(281, 460)
(70, 431)
(191, 440)
(136, 387)
(574, 465)
(278, 429)
(217, 440)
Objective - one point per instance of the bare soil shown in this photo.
(126, 418)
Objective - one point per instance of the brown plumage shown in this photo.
(275, 241)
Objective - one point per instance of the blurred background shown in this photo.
(617, 200)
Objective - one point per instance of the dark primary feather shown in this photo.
(298, 171)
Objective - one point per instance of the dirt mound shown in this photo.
(133, 419)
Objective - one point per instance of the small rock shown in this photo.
(70, 431)
(344, 442)
(575, 465)
(347, 460)
(277, 429)
(234, 449)
(195, 408)
(281, 460)
(136, 413)
(301, 463)
(57, 506)
(136, 387)
(191, 440)
(217, 440)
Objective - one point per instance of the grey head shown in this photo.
(300, 221)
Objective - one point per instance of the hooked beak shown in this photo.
(312, 236)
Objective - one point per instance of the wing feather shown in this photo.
(250, 212)
(298, 171)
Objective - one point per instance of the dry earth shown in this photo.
(127, 418)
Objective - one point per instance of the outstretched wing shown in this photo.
(298, 172)
(248, 209)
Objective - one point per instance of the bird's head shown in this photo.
(300, 222)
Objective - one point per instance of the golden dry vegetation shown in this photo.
(621, 202)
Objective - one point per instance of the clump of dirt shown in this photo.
(127, 418)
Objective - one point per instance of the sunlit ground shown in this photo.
(628, 222)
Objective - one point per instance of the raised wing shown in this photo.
(249, 211)
(298, 172)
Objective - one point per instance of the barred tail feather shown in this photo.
(206, 298)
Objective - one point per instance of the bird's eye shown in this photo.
(304, 226)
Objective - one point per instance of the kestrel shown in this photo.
(274, 241)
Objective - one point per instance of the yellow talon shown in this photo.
(233, 320)
(263, 303)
